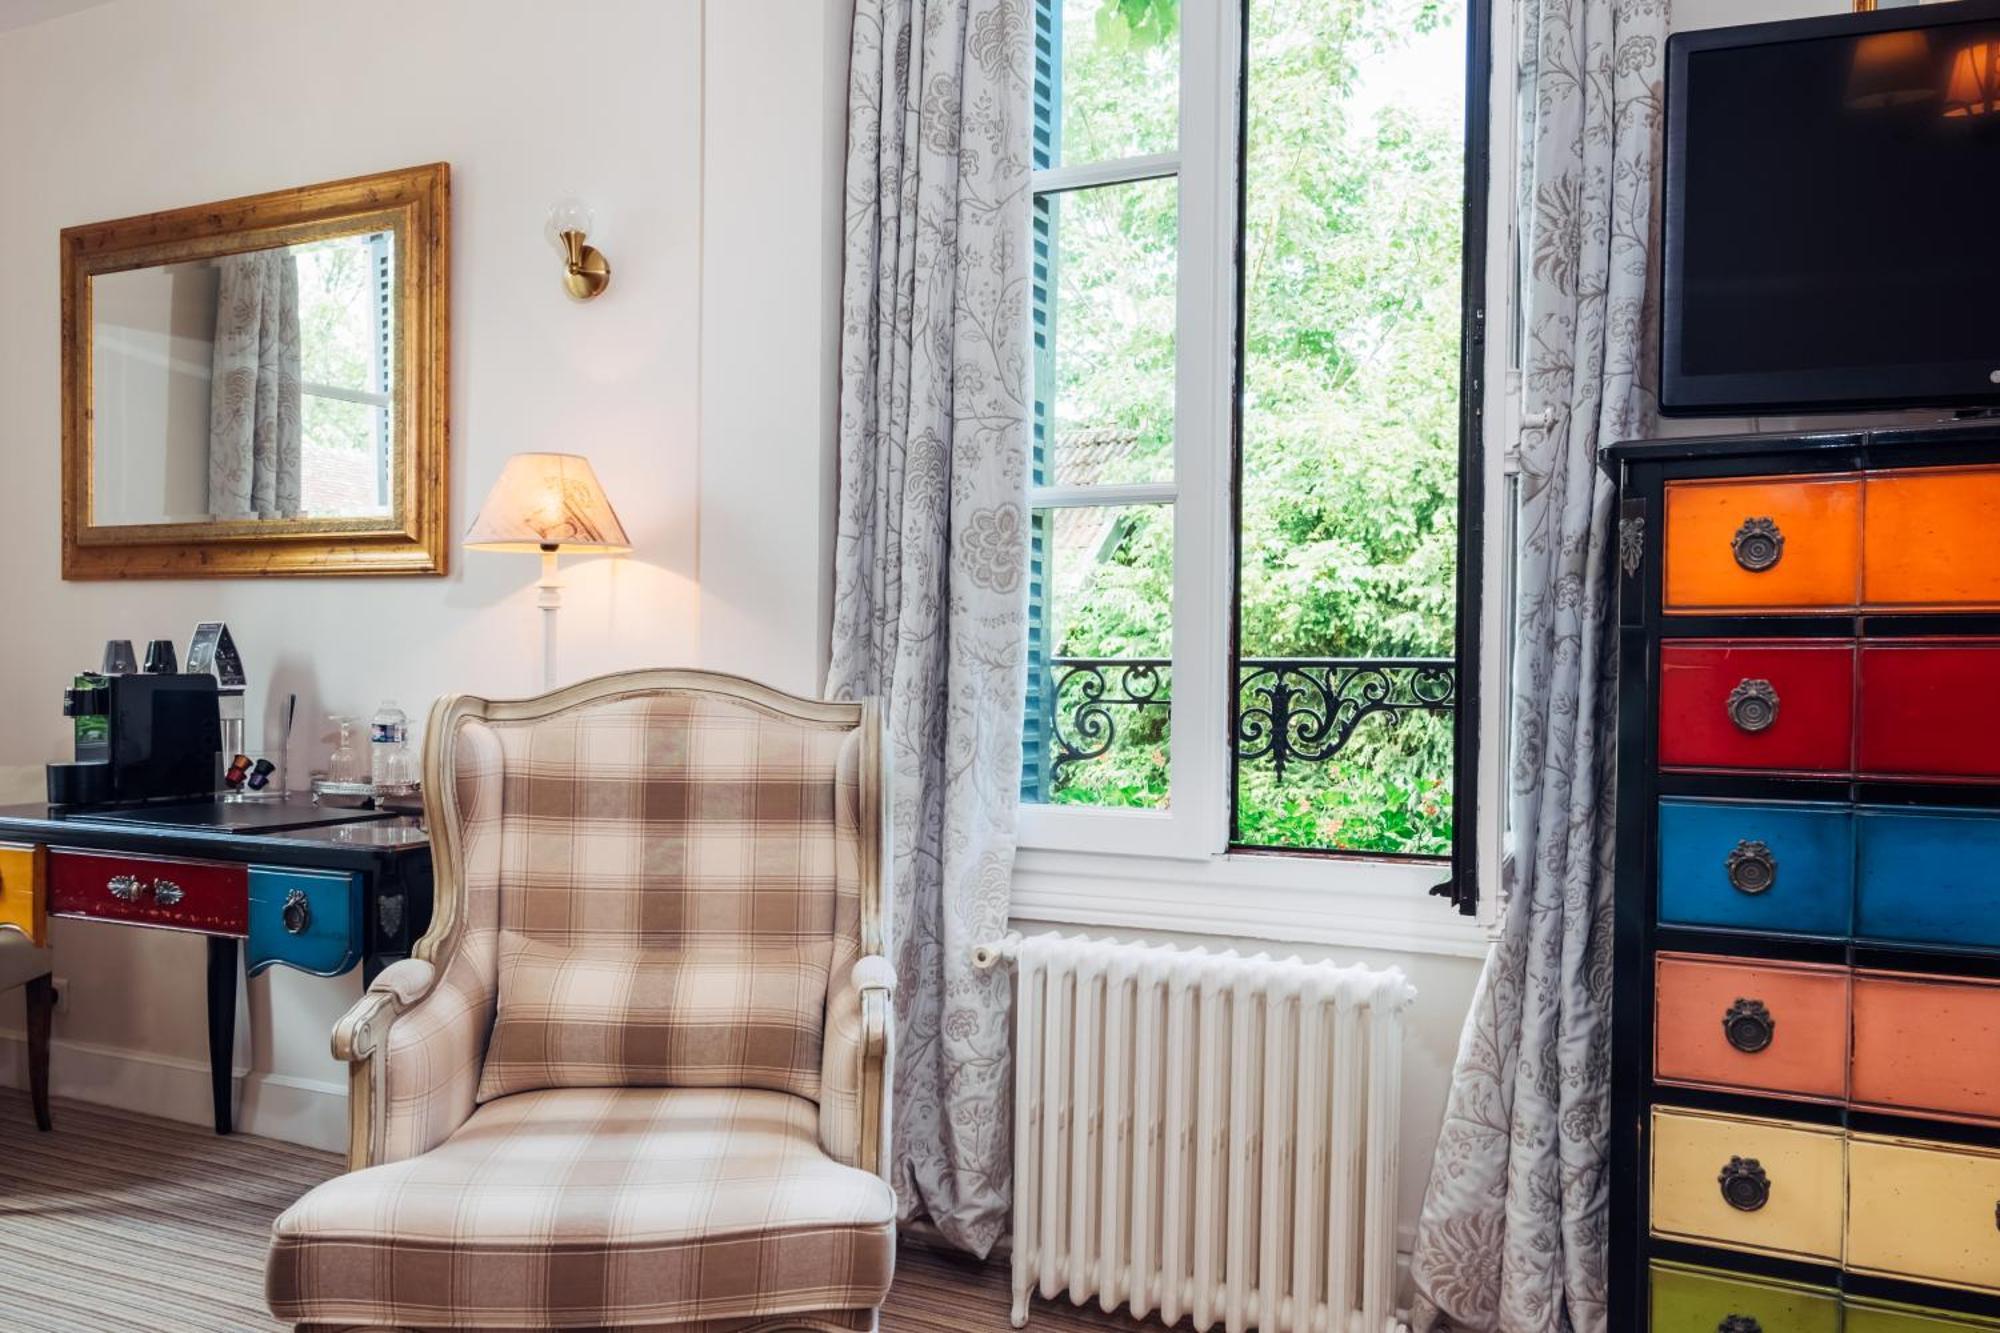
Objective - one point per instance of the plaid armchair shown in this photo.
(637, 1075)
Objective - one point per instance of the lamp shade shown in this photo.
(1891, 69)
(547, 502)
(1974, 86)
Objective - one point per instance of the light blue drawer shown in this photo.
(307, 919)
(1810, 847)
(1927, 876)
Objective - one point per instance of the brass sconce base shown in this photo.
(588, 272)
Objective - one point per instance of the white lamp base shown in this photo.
(549, 598)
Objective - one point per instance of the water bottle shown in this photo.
(388, 747)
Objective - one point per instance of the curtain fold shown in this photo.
(930, 561)
(1514, 1227)
(254, 439)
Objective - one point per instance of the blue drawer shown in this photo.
(1810, 844)
(321, 931)
(1927, 876)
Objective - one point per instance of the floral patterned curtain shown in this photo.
(253, 410)
(1514, 1227)
(930, 596)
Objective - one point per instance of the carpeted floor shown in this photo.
(120, 1222)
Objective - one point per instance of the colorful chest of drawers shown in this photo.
(1805, 1126)
(316, 898)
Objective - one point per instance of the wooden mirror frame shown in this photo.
(414, 204)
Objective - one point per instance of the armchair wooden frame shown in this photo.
(360, 1039)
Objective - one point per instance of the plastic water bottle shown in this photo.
(389, 747)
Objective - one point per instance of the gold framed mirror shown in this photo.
(259, 386)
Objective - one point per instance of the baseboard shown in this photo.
(273, 1106)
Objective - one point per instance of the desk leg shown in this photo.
(222, 969)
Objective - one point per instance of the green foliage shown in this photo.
(1123, 25)
(1348, 509)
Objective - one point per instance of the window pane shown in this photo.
(1100, 640)
(341, 450)
(1114, 90)
(339, 290)
(1349, 505)
(1105, 342)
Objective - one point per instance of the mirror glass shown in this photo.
(248, 386)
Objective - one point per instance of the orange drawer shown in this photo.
(1766, 545)
(1928, 539)
(1741, 1023)
(22, 886)
(1927, 1044)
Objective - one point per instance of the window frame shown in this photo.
(1178, 868)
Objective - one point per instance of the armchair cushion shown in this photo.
(671, 873)
(594, 1208)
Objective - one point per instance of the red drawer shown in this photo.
(1927, 709)
(1779, 705)
(210, 897)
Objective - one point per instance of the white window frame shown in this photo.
(1173, 869)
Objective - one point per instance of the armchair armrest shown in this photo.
(412, 1044)
(875, 978)
(858, 1066)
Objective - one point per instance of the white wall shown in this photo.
(124, 108)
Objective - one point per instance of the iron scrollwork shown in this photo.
(1290, 710)
(1087, 690)
(1305, 709)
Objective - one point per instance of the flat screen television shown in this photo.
(1832, 214)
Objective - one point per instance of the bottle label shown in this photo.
(388, 733)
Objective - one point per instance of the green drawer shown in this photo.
(1695, 1300)
(1901, 1319)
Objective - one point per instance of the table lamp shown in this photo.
(547, 504)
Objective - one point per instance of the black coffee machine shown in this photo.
(140, 738)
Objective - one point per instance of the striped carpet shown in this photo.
(120, 1222)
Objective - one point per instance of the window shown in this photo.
(1255, 226)
(346, 287)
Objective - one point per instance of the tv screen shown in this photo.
(1832, 199)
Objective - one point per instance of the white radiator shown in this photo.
(1206, 1135)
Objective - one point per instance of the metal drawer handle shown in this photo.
(125, 888)
(297, 912)
(1739, 1323)
(1758, 544)
(1752, 867)
(1745, 1186)
(167, 893)
(1749, 1026)
(1753, 705)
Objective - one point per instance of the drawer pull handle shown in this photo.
(1745, 1186)
(297, 912)
(1758, 544)
(125, 888)
(1753, 705)
(1739, 1323)
(167, 893)
(1749, 1026)
(1751, 866)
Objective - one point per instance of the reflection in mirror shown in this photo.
(253, 386)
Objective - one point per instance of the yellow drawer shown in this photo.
(1768, 1186)
(1928, 1211)
(23, 884)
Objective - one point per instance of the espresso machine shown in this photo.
(140, 738)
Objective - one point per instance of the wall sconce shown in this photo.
(586, 272)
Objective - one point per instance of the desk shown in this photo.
(317, 890)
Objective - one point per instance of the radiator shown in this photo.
(1206, 1136)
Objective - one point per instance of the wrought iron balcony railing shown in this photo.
(1289, 709)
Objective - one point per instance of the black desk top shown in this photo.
(289, 831)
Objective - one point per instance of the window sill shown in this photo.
(1384, 905)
